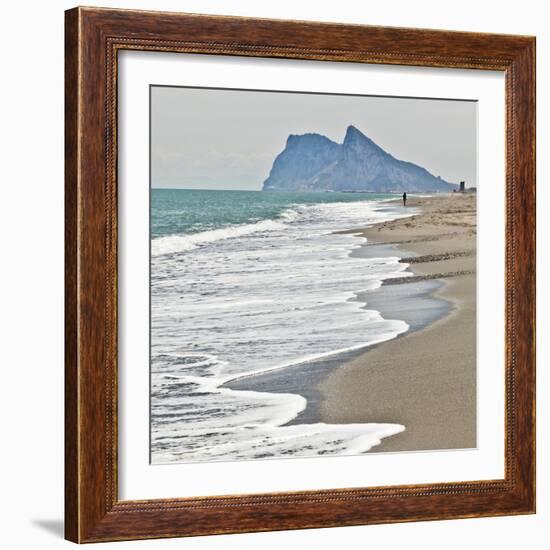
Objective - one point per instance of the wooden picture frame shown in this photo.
(93, 511)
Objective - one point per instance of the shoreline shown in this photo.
(305, 378)
(338, 389)
(424, 379)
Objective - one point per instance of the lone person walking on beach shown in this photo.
(404, 199)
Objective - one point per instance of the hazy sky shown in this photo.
(228, 139)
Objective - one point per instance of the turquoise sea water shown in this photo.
(176, 211)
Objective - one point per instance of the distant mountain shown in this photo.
(312, 162)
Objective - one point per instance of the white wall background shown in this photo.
(31, 226)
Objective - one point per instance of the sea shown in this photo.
(246, 282)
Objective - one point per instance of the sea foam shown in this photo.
(242, 300)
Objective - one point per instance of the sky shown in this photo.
(228, 139)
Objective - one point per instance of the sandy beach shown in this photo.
(425, 379)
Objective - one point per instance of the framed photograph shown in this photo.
(300, 275)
